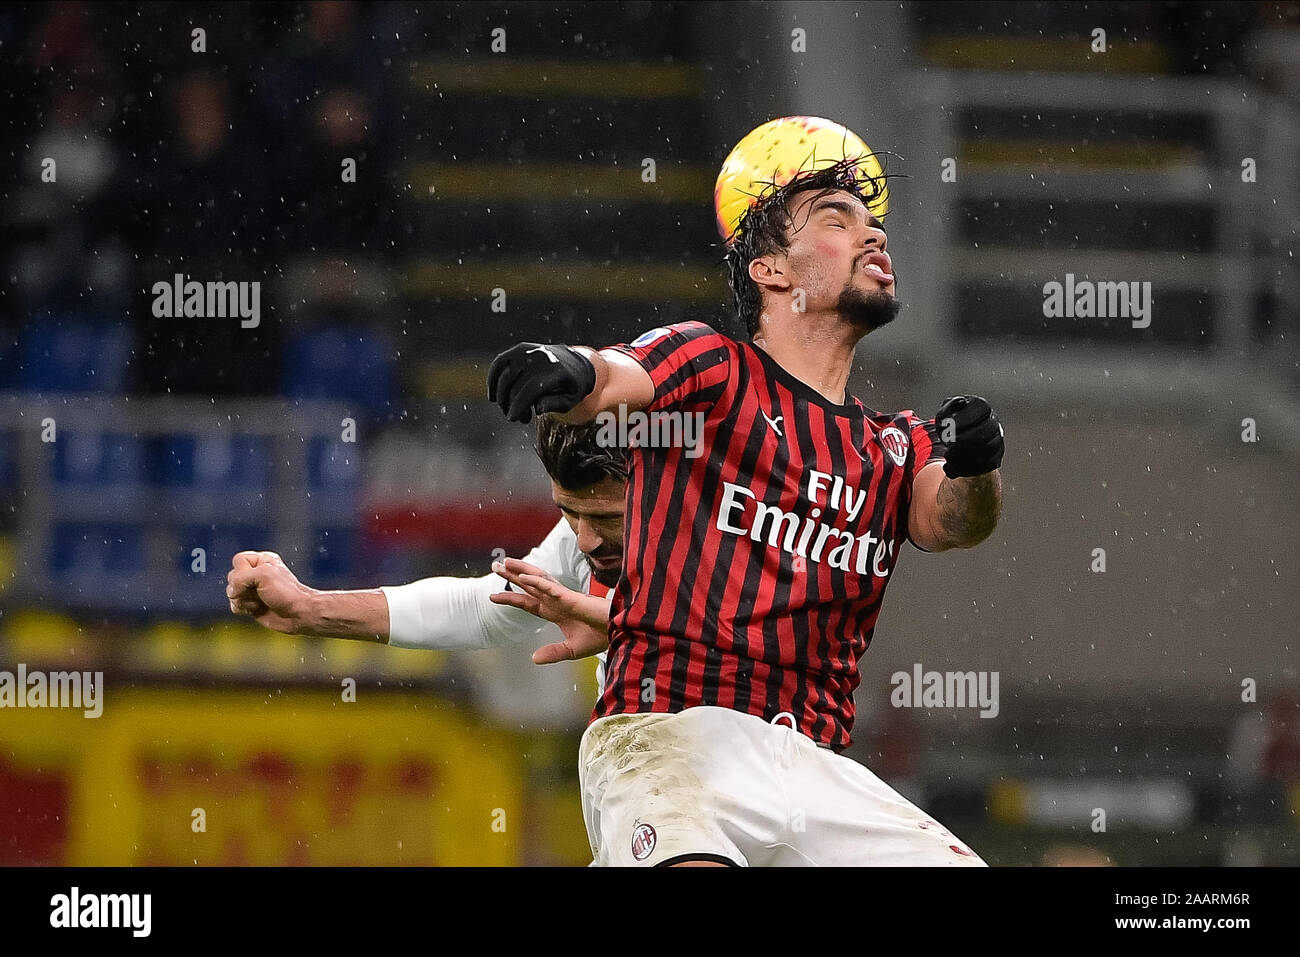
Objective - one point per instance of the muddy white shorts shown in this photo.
(710, 783)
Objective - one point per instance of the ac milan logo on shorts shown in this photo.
(643, 841)
(895, 443)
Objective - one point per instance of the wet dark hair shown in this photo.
(763, 229)
(573, 458)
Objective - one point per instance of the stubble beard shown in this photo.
(607, 577)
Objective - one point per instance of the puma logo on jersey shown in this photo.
(773, 422)
(546, 349)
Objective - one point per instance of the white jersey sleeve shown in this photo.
(456, 613)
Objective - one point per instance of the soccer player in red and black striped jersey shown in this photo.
(758, 547)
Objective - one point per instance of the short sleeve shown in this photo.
(689, 363)
(927, 443)
(928, 446)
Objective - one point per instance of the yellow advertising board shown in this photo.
(183, 776)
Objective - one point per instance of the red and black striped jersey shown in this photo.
(760, 536)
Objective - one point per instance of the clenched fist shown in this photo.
(260, 585)
(532, 377)
(978, 442)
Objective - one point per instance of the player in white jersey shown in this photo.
(583, 553)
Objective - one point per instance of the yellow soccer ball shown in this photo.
(778, 150)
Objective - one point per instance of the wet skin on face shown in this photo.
(595, 514)
(838, 255)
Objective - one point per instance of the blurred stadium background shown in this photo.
(523, 171)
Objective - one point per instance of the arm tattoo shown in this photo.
(969, 508)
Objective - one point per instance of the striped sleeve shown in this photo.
(928, 446)
(927, 443)
(688, 363)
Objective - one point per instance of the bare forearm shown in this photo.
(969, 508)
(621, 383)
(361, 615)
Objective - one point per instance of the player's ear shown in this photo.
(767, 273)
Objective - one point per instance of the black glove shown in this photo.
(978, 446)
(531, 377)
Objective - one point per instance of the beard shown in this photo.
(868, 310)
(606, 576)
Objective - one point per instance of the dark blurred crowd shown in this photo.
(226, 164)
(220, 165)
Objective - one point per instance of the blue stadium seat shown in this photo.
(8, 460)
(353, 365)
(97, 476)
(333, 465)
(97, 458)
(10, 366)
(213, 462)
(220, 542)
(334, 554)
(96, 549)
(65, 353)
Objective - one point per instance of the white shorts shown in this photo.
(710, 783)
